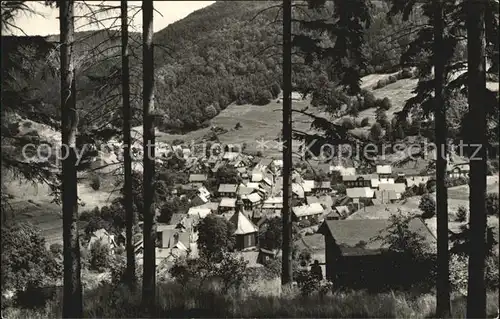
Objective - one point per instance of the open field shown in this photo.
(33, 203)
(257, 123)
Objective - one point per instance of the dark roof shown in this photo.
(349, 233)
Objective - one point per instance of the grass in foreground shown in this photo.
(175, 300)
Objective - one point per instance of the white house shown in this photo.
(384, 170)
(199, 211)
(416, 180)
(398, 188)
(343, 170)
(377, 181)
(360, 192)
(307, 212)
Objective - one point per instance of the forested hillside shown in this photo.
(227, 52)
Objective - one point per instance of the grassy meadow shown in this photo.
(263, 299)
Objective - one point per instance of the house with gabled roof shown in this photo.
(312, 199)
(278, 165)
(264, 164)
(412, 181)
(230, 156)
(344, 171)
(342, 201)
(242, 171)
(398, 188)
(251, 201)
(265, 256)
(198, 200)
(257, 175)
(227, 204)
(102, 236)
(356, 252)
(198, 178)
(385, 197)
(177, 218)
(377, 181)
(228, 190)
(212, 205)
(458, 170)
(308, 186)
(204, 192)
(171, 237)
(273, 204)
(245, 190)
(360, 192)
(343, 211)
(384, 171)
(307, 212)
(322, 187)
(201, 212)
(238, 162)
(351, 181)
(298, 191)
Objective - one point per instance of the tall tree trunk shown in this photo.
(476, 88)
(149, 280)
(72, 299)
(287, 271)
(442, 284)
(127, 160)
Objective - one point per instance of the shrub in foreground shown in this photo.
(99, 256)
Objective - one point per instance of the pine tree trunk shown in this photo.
(72, 299)
(442, 285)
(149, 280)
(127, 160)
(287, 271)
(476, 88)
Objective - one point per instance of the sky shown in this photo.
(48, 24)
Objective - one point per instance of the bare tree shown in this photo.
(149, 231)
(287, 271)
(72, 300)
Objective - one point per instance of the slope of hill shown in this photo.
(224, 53)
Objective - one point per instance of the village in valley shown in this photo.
(250, 159)
(328, 199)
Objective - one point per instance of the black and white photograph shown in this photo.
(250, 159)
